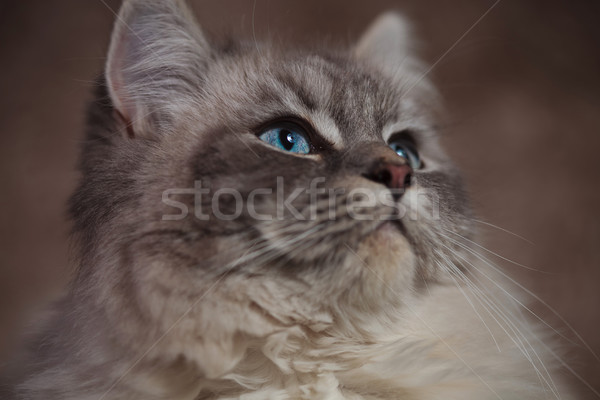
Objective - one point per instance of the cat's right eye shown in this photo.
(408, 152)
(403, 144)
(287, 136)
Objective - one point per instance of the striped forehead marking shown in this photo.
(344, 105)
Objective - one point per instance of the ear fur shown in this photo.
(157, 53)
(388, 44)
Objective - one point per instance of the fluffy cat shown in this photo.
(197, 281)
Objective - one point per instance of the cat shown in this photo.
(259, 222)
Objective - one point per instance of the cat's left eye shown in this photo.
(289, 137)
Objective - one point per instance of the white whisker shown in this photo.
(471, 304)
(531, 294)
(518, 337)
(503, 230)
(498, 255)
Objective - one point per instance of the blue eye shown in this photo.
(287, 137)
(407, 151)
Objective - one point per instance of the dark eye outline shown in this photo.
(316, 142)
(404, 140)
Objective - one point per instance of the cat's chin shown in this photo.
(387, 251)
(382, 237)
(391, 227)
(387, 234)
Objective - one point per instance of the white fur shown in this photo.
(445, 346)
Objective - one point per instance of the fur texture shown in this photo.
(285, 306)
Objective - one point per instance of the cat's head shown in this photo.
(230, 191)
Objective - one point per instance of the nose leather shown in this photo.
(392, 175)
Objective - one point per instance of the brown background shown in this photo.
(522, 89)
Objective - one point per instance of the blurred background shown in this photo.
(521, 82)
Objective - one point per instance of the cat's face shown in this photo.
(263, 187)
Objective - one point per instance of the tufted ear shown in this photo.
(156, 58)
(388, 44)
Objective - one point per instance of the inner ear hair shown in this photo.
(156, 59)
(128, 124)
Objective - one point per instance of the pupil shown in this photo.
(287, 139)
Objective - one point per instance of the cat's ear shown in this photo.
(157, 55)
(388, 44)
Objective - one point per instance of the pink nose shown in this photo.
(394, 176)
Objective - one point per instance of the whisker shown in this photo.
(533, 295)
(503, 230)
(472, 305)
(489, 306)
(518, 335)
(503, 289)
(570, 369)
(498, 255)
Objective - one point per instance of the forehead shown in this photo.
(357, 103)
(343, 100)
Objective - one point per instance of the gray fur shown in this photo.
(186, 309)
